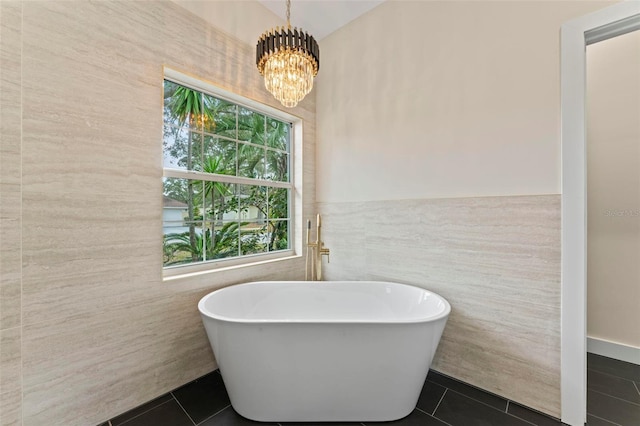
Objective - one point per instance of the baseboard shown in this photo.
(613, 350)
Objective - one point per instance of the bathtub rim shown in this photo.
(206, 313)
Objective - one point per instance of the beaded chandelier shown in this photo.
(289, 60)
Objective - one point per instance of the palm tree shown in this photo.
(211, 244)
(274, 135)
(212, 190)
(187, 107)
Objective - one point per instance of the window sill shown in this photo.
(181, 272)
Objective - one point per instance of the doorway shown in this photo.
(613, 230)
(607, 23)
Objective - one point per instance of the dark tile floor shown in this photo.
(613, 398)
(443, 401)
(613, 392)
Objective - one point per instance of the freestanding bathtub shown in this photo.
(323, 351)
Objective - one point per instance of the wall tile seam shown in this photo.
(437, 198)
(21, 212)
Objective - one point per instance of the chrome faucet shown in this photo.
(315, 251)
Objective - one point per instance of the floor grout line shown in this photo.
(622, 371)
(520, 418)
(138, 415)
(506, 410)
(185, 411)
(636, 386)
(214, 414)
(439, 402)
(605, 420)
(473, 399)
(477, 400)
(490, 406)
(491, 394)
(432, 416)
(617, 376)
(616, 397)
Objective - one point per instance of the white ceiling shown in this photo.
(320, 18)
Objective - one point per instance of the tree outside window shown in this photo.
(226, 183)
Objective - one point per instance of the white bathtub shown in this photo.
(324, 351)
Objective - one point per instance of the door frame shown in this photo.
(576, 34)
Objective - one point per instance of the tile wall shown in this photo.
(89, 329)
(495, 259)
(10, 214)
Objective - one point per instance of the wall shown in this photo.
(244, 20)
(88, 327)
(439, 165)
(613, 185)
(10, 214)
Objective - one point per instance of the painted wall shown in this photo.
(439, 146)
(453, 99)
(88, 327)
(244, 20)
(613, 167)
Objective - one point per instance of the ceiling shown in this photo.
(320, 18)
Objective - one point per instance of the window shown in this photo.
(227, 186)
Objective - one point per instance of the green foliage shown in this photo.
(209, 245)
(206, 134)
(188, 106)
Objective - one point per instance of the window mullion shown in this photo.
(237, 144)
(239, 220)
(213, 177)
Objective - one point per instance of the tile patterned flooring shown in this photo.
(613, 392)
(613, 398)
(443, 401)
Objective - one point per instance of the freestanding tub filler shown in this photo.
(324, 351)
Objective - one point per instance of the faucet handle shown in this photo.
(325, 252)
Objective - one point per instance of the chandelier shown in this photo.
(289, 60)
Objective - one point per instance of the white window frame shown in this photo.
(294, 184)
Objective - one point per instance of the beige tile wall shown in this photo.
(495, 259)
(89, 328)
(10, 214)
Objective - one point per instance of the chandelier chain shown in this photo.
(289, 13)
